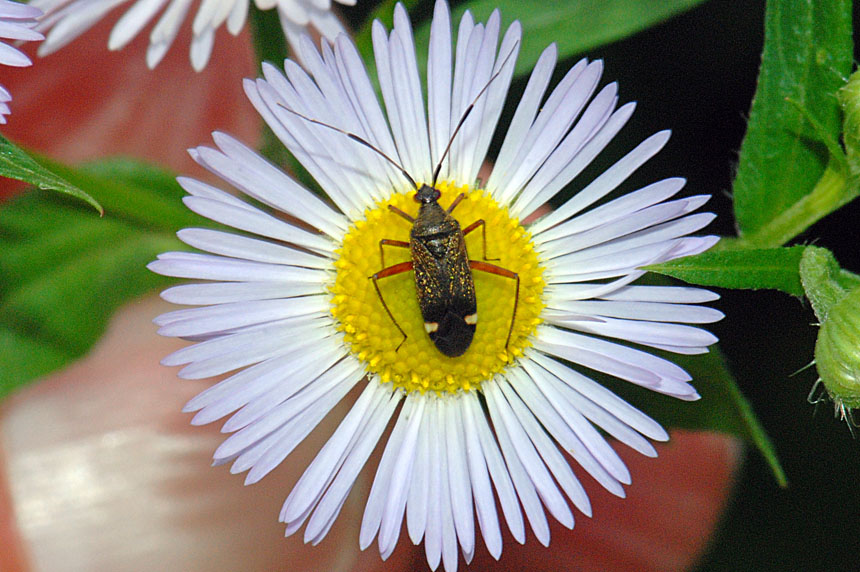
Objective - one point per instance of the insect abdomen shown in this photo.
(446, 294)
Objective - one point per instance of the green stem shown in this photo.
(830, 193)
(818, 273)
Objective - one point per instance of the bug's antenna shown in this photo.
(357, 139)
(468, 111)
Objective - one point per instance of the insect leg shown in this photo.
(499, 271)
(456, 202)
(390, 242)
(391, 271)
(480, 222)
(397, 211)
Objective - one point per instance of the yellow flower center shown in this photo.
(418, 364)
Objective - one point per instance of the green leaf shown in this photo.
(722, 406)
(574, 25)
(753, 269)
(16, 164)
(65, 271)
(807, 56)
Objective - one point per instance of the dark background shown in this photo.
(696, 74)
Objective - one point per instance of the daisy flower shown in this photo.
(16, 23)
(65, 20)
(288, 307)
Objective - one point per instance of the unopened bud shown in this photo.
(837, 349)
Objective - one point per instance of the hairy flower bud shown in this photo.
(835, 298)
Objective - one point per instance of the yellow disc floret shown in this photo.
(417, 364)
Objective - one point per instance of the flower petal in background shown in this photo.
(65, 20)
(74, 111)
(16, 23)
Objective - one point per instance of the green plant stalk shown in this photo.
(818, 273)
(830, 193)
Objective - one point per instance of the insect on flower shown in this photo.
(440, 261)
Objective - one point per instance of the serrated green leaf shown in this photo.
(807, 56)
(18, 165)
(750, 269)
(65, 271)
(574, 25)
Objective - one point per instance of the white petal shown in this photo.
(401, 473)
(209, 267)
(375, 508)
(223, 292)
(458, 477)
(522, 482)
(408, 90)
(258, 178)
(654, 311)
(238, 246)
(497, 92)
(677, 294)
(602, 396)
(641, 332)
(621, 361)
(616, 209)
(547, 450)
(419, 491)
(485, 503)
(523, 117)
(569, 158)
(253, 392)
(132, 22)
(551, 409)
(258, 222)
(433, 530)
(290, 397)
(527, 454)
(574, 409)
(498, 472)
(319, 474)
(553, 122)
(287, 425)
(337, 493)
(439, 80)
(327, 365)
(610, 178)
(225, 317)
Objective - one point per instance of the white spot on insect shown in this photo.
(431, 327)
(471, 319)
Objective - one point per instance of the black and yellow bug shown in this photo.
(443, 273)
(440, 261)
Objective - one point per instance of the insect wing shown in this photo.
(446, 293)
